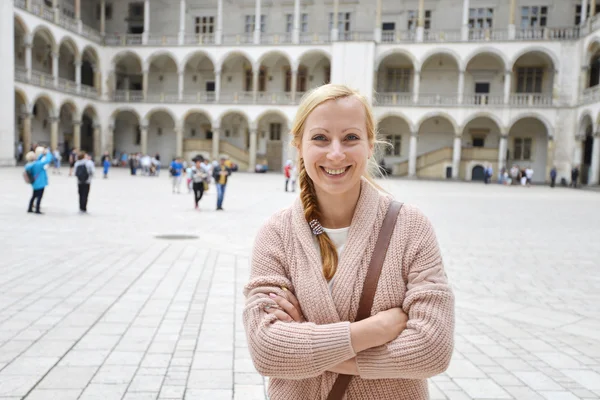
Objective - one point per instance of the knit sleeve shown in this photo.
(425, 347)
(288, 350)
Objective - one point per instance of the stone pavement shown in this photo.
(95, 307)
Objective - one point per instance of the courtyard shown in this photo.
(97, 307)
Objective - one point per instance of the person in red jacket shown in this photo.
(287, 171)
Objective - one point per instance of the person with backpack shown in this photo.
(35, 174)
(84, 171)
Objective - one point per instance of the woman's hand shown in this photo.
(378, 329)
(289, 309)
(392, 323)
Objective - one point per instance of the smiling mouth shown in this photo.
(336, 171)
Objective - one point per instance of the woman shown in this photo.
(36, 170)
(304, 287)
(199, 177)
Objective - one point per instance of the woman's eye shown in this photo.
(319, 137)
(353, 137)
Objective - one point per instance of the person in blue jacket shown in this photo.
(36, 169)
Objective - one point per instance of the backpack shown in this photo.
(82, 174)
(28, 177)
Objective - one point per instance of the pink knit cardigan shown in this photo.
(296, 356)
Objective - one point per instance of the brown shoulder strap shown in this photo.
(370, 286)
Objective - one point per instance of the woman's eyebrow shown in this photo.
(317, 128)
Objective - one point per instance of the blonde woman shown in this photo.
(306, 277)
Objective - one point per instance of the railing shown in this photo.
(68, 23)
(483, 100)
(89, 91)
(162, 97)
(42, 11)
(20, 4)
(124, 39)
(276, 38)
(274, 98)
(197, 144)
(242, 38)
(163, 40)
(314, 38)
(487, 34)
(67, 85)
(398, 36)
(394, 99)
(199, 97)
(201, 38)
(236, 98)
(531, 99)
(42, 79)
(21, 73)
(442, 36)
(591, 95)
(91, 33)
(355, 36)
(438, 99)
(569, 33)
(234, 151)
(128, 96)
(538, 33)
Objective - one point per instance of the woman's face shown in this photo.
(335, 146)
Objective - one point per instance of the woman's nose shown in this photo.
(336, 151)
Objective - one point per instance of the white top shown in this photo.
(339, 237)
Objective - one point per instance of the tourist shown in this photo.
(105, 164)
(221, 173)
(287, 173)
(301, 304)
(574, 176)
(528, 176)
(57, 157)
(553, 176)
(176, 168)
(37, 176)
(199, 177)
(84, 171)
(72, 160)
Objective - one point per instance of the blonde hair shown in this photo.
(30, 156)
(308, 195)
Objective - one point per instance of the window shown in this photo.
(478, 141)
(136, 11)
(413, 19)
(578, 12)
(249, 23)
(304, 23)
(398, 80)
(529, 79)
(388, 26)
(108, 11)
(289, 23)
(262, 80)
(301, 80)
(343, 21)
(205, 25)
(533, 17)
(275, 131)
(481, 18)
(396, 145)
(522, 149)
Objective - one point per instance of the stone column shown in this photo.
(512, 32)
(465, 22)
(594, 178)
(416, 86)
(335, 34)
(26, 133)
(28, 5)
(592, 9)
(179, 141)
(421, 21)
(377, 31)
(219, 37)
(55, 67)
(257, 21)
(456, 156)
(296, 30)
(109, 143)
(412, 155)
(255, 73)
(217, 85)
(146, 22)
(503, 145)
(78, 14)
(53, 132)
(461, 86)
(28, 53)
(181, 85)
(77, 134)
(144, 84)
(78, 64)
(507, 86)
(215, 142)
(144, 139)
(294, 83)
(584, 5)
(252, 150)
(102, 17)
(56, 11)
(97, 144)
(182, 22)
(549, 158)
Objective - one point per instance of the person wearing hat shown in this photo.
(36, 170)
(220, 173)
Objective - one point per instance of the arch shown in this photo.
(19, 21)
(233, 53)
(541, 118)
(20, 93)
(392, 52)
(314, 51)
(397, 114)
(160, 53)
(45, 34)
(483, 114)
(438, 51)
(233, 111)
(91, 51)
(71, 45)
(536, 49)
(47, 101)
(123, 54)
(90, 110)
(272, 111)
(438, 114)
(485, 50)
(73, 108)
(120, 110)
(159, 109)
(586, 114)
(592, 48)
(267, 54)
(196, 111)
(190, 56)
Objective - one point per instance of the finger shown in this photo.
(281, 315)
(292, 299)
(287, 307)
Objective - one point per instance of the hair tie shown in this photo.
(316, 227)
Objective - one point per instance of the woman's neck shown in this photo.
(337, 210)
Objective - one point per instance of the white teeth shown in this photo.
(335, 171)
